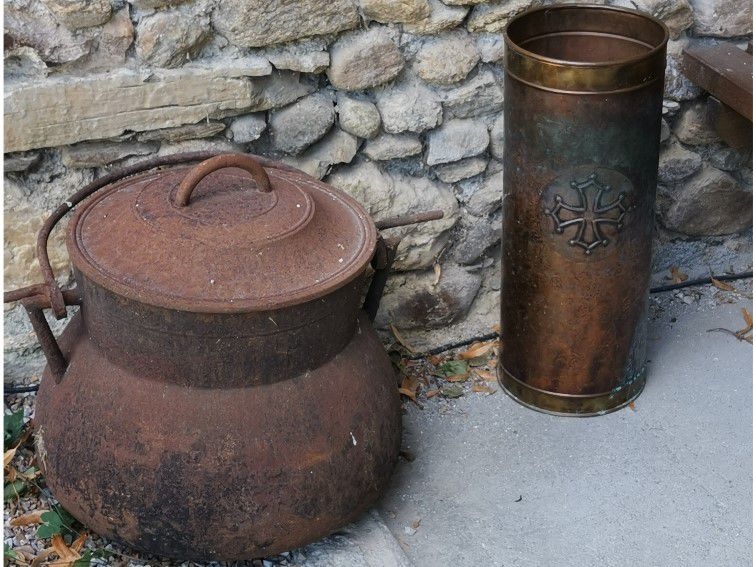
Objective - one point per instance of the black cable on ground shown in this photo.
(10, 390)
(658, 289)
(702, 281)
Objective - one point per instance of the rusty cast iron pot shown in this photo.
(220, 394)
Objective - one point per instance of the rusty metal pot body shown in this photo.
(210, 430)
(582, 123)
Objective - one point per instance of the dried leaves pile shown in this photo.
(447, 376)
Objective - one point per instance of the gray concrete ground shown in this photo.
(668, 483)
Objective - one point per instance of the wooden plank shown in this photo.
(726, 72)
(733, 128)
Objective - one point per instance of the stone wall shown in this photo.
(399, 103)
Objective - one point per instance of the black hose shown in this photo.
(10, 390)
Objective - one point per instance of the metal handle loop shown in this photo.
(205, 168)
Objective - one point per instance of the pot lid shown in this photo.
(227, 235)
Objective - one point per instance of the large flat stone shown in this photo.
(256, 23)
(67, 110)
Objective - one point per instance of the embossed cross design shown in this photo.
(588, 215)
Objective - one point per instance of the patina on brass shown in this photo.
(582, 111)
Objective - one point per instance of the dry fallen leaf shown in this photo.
(747, 317)
(431, 393)
(485, 375)
(410, 394)
(8, 456)
(415, 524)
(632, 405)
(79, 543)
(482, 388)
(677, 275)
(437, 271)
(478, 349)
(67, 556)
(400, 339)
(42, 556)
(457, 378)
(28, 518)
(721, 285)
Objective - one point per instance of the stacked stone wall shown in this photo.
(398, 103)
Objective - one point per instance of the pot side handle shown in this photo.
(385, 253)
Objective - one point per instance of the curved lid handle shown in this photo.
(242, 161)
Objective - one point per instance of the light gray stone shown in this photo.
(491, 47)
(676, 163)
(115, 39)
(298, 126)
(392, 146)
(19, 163)
(307, 56)
(153, 4)
(387, 11)
(97, 154)
(497, 137)
(247, 128)
(388, 195)
(446, 59)
(66, 110)
(170, 38)
(487, 196)
(453, 172)
(676, 14)
(362, 60)
(257, 23)
(28, 201)
(463, 2)
(358, 117)
(727, 159)
(77, 14)
(409, 107)
(440, 18)
(692, 126)
(457, 139)
(219, 145)
(710, 204)
(204, 129)
(23, 63)
(494, 16)
(366, 543)
(676, 85)
(480, 95)
(29, 23)
(279, 89)
(246, 66)
(665, 131)
(720, 18)
(475, 237)
(337, 147)
(415, 300)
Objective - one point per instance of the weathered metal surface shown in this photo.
(725, 71)
(734, 129)
(215, 423)
(582, 120)
(232, 247)
(218, 473)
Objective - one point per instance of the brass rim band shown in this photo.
(570, 405)
(568, 76)
(569, 79)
